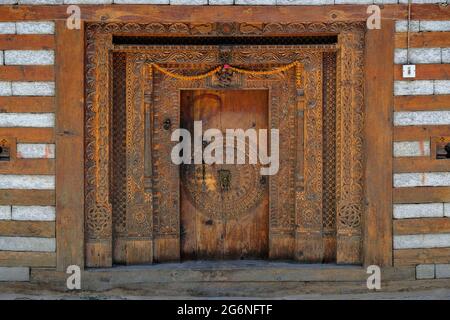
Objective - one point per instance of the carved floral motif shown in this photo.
(290, 210)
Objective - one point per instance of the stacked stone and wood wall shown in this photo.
(421, 184)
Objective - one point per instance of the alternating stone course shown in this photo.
(35, 151)
(422, 25)
(442, 271)
(5, 212)
(422, 179)
(420, 55)
(33, 213)
(36, 120)
(422, 118)
(411, 148)
(27, 244)
(419, 210)
(432, 271)
(29, 57)
(421, 87)
(33, 88)
(38, 182)
(422, 241)
(425, 271)
(14, 274)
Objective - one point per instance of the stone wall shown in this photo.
(425, 211)
(22, 58)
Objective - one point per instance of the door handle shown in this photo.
(224, 179)
(167, 124)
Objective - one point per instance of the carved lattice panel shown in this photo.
(118, 157)
(329, 156)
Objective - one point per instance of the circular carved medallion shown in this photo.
(224, 191)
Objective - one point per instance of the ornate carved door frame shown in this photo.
(349, 135)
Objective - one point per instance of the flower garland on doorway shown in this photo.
(227, 67)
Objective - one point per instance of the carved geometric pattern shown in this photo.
(329, 143)
(245, 191)
(139, 217)
(349, 127)
(98, 219)
(285, 214)
(118, 156)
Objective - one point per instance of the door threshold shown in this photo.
(230, 265)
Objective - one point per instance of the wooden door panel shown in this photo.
(212, 230)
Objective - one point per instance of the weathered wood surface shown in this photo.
(69, 146)
(378, 138)
(28, 166)
(27, 229)
(415, 133)
(26, 73)
(26, 42)
(27, 104)
(420, 164)
(27, 197)
(422, 195)
(423, 39)
(43, 135)
(27, 259)
(249, 14)
(421, 226)
(411, 257)
(425, 72)
(208, 236)
(420, 103)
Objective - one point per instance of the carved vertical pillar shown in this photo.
(139, 244)
(97, 183)
(308, 237)
(166, 175)
(349, 168)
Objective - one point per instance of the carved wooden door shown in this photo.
(224, 207)
(135, 209)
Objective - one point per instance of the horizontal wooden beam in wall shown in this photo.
(426, 72)
(45, 135)
(27, 259)
(27, 197)
(421, 226)
(27, 42)
(28, 166)
(411, 257)
(423, 40)
(420, 164)
(422, 195)
(45, 229)
(415, 133)
(417, 103)
(203, 14)
(27, 73)
(27, 104)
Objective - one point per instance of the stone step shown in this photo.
(219, 272)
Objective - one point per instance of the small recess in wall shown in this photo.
(7, 148)
(440, 147)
